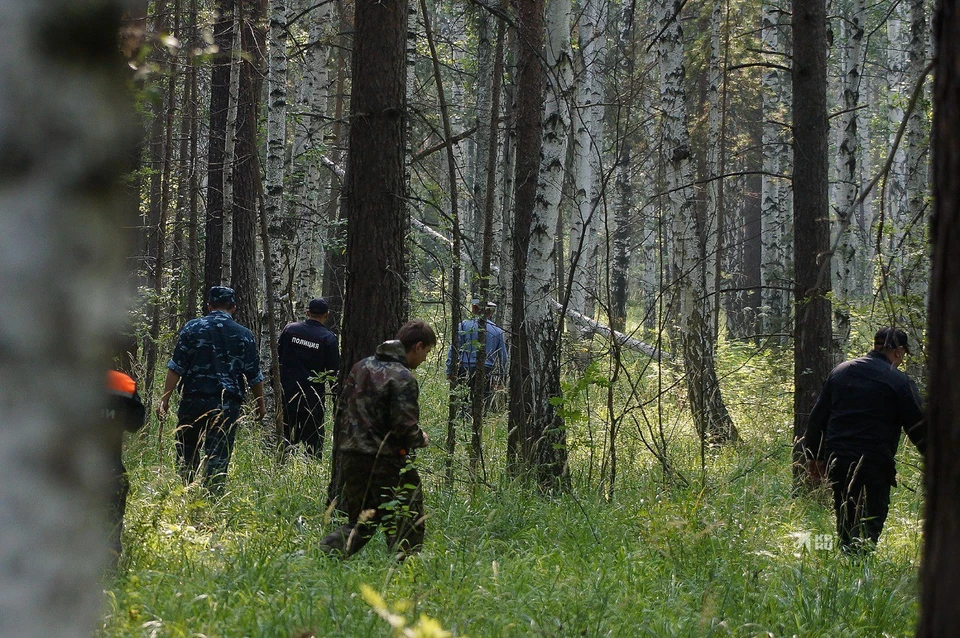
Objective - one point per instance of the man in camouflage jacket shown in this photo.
(379, 424)
(214, 362)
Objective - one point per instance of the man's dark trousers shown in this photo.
(379, 492)
(303, 421)
(861, 500)
(211, 429)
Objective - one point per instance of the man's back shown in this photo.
(214, 355)
(380, 405)
(306, 349)
(864, 405)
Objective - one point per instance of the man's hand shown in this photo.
(426, 439)
(261, 410)
(816, 471)
(163, 406)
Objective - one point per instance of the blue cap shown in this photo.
(221, 295)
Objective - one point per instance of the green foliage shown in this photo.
(723, 555)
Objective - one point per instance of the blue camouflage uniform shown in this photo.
(217, 361)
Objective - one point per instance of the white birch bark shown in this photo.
(540, 281)
(277, 225)
(588, 151)
(711, 233)
(709, 412)
(230, 148)
(623, 188)
(898, 37)
(772, 213)
(848, 173)
(66, 132)
(916, 277)
(312, 99)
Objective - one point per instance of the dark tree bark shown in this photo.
(375, 190)
(811, 223)
(216, 151)
(940, 578)
(529, 125)
(246, 167)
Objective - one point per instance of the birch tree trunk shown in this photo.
(588, 150)
(622, 184)
(546, 438)
(849, 176)
(710, 414)
(66, 134)
(773, 214)
(279, 228)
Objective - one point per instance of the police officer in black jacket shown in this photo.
(855, 428)
(308, 354)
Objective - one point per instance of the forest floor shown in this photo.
(725, 551)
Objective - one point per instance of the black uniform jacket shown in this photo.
(860, 411)
(307, 349)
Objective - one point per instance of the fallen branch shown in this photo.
(584, 321)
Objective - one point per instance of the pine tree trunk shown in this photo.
(247, 185)
(223, 37)
(622, 185)
(529, 127)
(67, 132)
(940, 573)
(375, 189)
(811, 224)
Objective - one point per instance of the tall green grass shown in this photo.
(720, 555)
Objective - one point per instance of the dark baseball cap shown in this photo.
(890, 338)
(221, 294)
(318, 306)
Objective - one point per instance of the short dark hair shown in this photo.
(890, 338)
(416, 331)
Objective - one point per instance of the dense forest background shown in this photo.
(687, 213)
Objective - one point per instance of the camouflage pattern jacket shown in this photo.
(216, 358)
(379, 408)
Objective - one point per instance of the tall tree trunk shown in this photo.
(191, 293)
(710, 414)
(623, 187)
(588, 151)
(223, 38)
(545, 443)
(844, 259)
(375, 190)
(246, 195)
(280, 230)
(773, 208)
(66, 133)
(811, 216)
(528, 123)
(940, 574)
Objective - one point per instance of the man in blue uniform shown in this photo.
(308, 354)
(855, 429)
(214, 362)
(468, 342)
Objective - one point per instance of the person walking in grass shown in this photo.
(379, 422)
(214, 362)
(308, 354)
(854, 432)
(468, 347)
